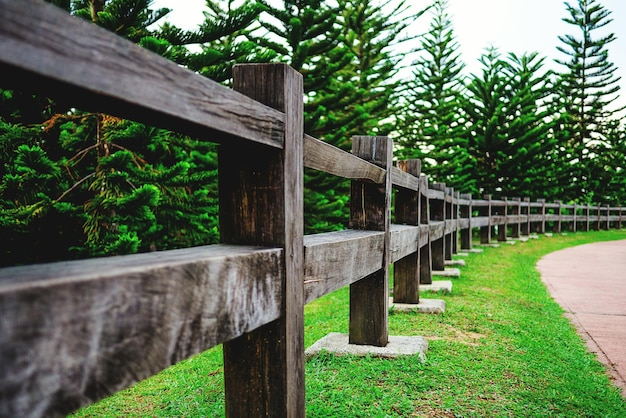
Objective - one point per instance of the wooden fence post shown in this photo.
(455, 215)
(406, 272)
(515, 210)
(425, 257)
(525, 209)
(608, 217)
(466, 213)
(261, 203)
(370, 209)
(502, 228)
(449, 218)
(598, 222)
(485, 231)
(438, 214)
(587, 217)
(574, 228)
(557, 224)
(542, 224)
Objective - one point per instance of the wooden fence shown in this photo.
(74, 332)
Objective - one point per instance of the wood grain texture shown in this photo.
(336, 259)
(322, 156)
(72, 333)
(437, 234)
(465, 221)
(42, 47)
(261, 202)
(425, 257)
(404, 179)
(405, 239)
(406, 211)
(370, 208)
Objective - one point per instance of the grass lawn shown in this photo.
(502, 349)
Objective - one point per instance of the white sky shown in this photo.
(510, 25)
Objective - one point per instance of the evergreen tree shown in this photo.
(224, 39)
(306, 34)
(529, 169)
(588, 91)
(344, 52)
(81, 184)
(486, 135)
(432, 124)
(510, 141)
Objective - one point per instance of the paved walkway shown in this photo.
(589, 282)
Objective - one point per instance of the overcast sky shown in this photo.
(510, 25)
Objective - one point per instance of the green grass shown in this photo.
(502, 349)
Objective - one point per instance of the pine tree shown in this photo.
(432, 123)
(224, 39)
(306, 34)
(588, 91)
(529, 168)
(81, 184)
(486, 135)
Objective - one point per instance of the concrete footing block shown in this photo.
(508, 242)
(431, 306)
(548, 234)
(463, 254)
(493, 245)
(397, 346)
(533, 236)
(444, 286)
(451, 272)
(475, 250)
(460, 263)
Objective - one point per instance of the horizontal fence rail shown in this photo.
(74, 332)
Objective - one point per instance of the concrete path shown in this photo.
(589, 282)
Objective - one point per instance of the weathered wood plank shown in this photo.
(261, 203)
(437, 230)
(405, 240)
(370, 208)
(425, 256)
(480, 221)
(322, 156)
(336, 259)
(42, 47)
(406, 268)
(72, 333)
(436, 193)
(405, 180)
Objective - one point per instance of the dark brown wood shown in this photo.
(542, 211)
(370, 209)
(448, 238)
(485, 211)
(406, 271)
(261, 191)
(438, 214)
(47, 51)
(322, 156)
(75, 332)
(455, 217)
(515, 211)
(502, 210)
(525, 211)
(425, 257)
(466, 213)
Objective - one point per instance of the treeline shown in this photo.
(75, 184)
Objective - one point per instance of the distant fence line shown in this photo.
(74, 332)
